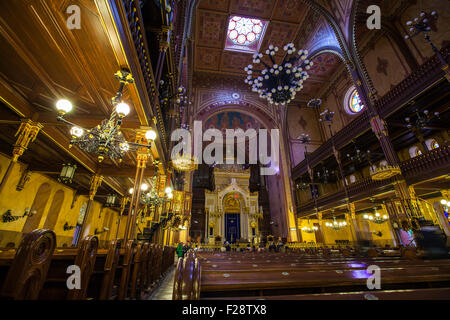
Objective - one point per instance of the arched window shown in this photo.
(414, 151)
(352, 102)
(432, 144)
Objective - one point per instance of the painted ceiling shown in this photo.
(289, 21)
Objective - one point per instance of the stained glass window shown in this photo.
(355, 104)
(244, 31)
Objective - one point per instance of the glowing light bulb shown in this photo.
(76, 131)
(170, 195)
(130, 191)
(150, 135)
(125, 147)
(63, 106)
(144, 187)
(122, 109)
(444, 202)
(168, 190)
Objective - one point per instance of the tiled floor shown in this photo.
(164, 291)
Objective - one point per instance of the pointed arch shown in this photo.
(37, 208)
(55, 209)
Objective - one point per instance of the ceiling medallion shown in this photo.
(278, 84)
(106, 139)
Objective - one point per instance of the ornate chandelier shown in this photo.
(106, 139)
(336, 225)
(152, 197)
(309, 229)
(279, 84)
(184, 163)
(377, 218)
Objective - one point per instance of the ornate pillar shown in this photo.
(27, 132)
(96, 181)
(391, 227)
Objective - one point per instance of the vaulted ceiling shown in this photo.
(288, 21)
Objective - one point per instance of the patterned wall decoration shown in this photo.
(211, 28)
(253, 8)
(324, 65)
(231, 120)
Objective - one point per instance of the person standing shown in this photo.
(180, 250)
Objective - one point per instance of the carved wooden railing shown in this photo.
(421, 78)
(427, 74)
(356, 191)
(427, 166)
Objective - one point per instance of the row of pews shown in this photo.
(39, 270)
(321, 274)
(187, 279)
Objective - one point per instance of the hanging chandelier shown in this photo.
(377, 218)
(278, 84)
(336, 225)
(106, 139)
(309, 229)
(151, 197)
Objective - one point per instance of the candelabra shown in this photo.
(336, 225)
(376, 218)
(279, 84)
(422, 24)
(421, 119)
(309, 229)
(105, 139)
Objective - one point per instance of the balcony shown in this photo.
(423, 77)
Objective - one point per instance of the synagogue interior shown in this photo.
(224, 149)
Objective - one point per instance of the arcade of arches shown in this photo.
(358, 153)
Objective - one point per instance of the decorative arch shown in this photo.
(55, 208)
(38, 207)
(233, 188)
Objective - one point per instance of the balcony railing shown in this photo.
(427, 74)
(424, 167)
(427, 166)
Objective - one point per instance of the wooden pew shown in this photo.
(187, 278)
(270, 273)
(126, 267)
(55, 285)
(101, 281)
(23, 273)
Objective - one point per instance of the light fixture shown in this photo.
(184, 163)
(170, 195)
(278, 84)
(168, 190)
(123, 109)
(63, 106)
(314, 103)
(76, 132)
(309, 229)
(150, 135)
(67, 172)
(110, 200)
(444, 202)
(105, 139)
(376, 218)
(336, 225)
(144, 187)
(130, 191)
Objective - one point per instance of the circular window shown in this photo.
(244, 31)
(353, 102)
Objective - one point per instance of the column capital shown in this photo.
(26, 133)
